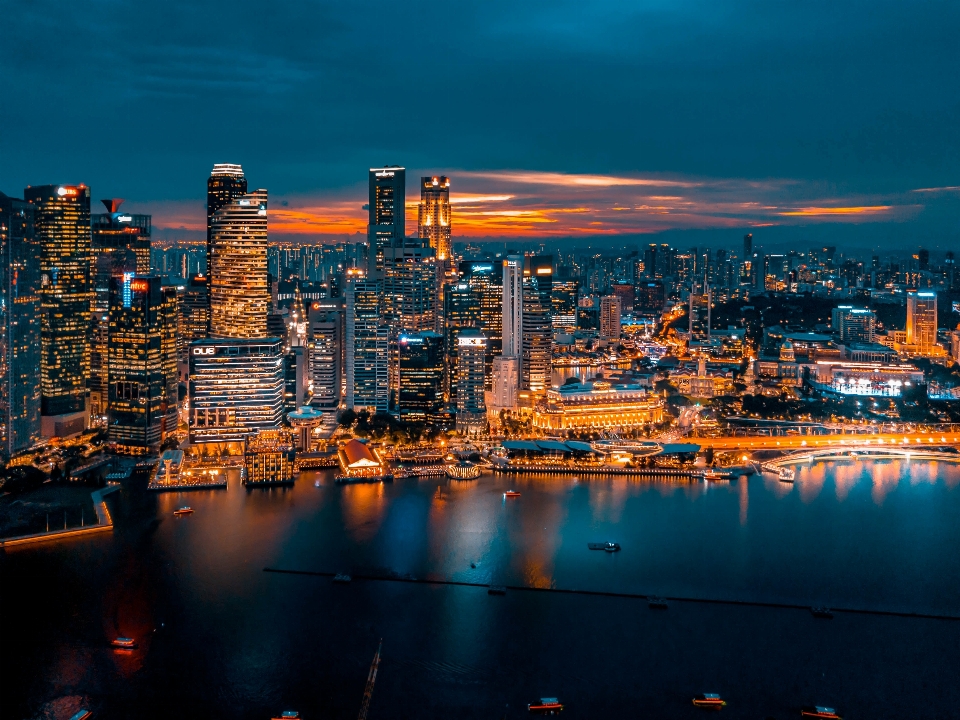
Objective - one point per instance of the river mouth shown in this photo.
(740, 564)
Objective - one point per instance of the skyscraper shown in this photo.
(922, 321)
(699, 313)
(433, 222)
(194, 311)
(367, 347)
(564, 303)
(410, 287)
(512, 305)
(62, 229)
(471, 410)
(115, 230)
(610, 307)
(141, 362)
(421, 369)
(536, 356)
(475, 300)
(225, 184)
(239, 296)
(325, 338)
(386, 224)
(19, 328)
(854, 325)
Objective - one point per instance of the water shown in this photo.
(222, 638)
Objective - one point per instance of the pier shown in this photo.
(104, 523)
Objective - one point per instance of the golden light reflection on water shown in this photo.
(744, 491)
(845, 477)
(363, 507)
(885, 478)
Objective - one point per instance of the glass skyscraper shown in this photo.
(367, 347)
(62, 215)
(239, 296)
(225, 184)
(19, 328)
(386, 223)
(421, 366)
(536, 356)
(433, 221)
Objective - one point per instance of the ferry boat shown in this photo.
(715, 475)
(463, 470)
(546, 706)
(183, 511)
(709, 701)
(511, 493)
(786, 475)
(124, 643)
(81, 715)
(822, 612)
(818, 711)
(607, 546)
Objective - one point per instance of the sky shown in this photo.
(613, 121)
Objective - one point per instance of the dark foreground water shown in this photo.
(221, 638)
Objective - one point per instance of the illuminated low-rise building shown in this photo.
(871, 379)
(597, 405)
(269, 458)
(235, 389)
(357, 461)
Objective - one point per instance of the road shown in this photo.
(802, 441)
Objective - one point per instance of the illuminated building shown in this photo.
(410, 287)
(506, 383)
(433, 221)
(386, 223)
(357, 461)
(268, 457)
(698, 314)
(471, 366)
(627, 293)
(305, 422)
(474, 301)
(62, 230)
(325, 339)
(871, 379)
(854, 325)
(366, 349)
(536, 356)
(115, 230)
(421, 369)
(650, 298)
(776, 269)
(19, 328)
(597, 405)
(512, 301)
(922, 322)
(142, 391)
(239, 296)
(194, 311)
(225, 184)
(235, 388)
(610, 317)
(565, 297)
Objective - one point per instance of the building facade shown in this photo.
(325, 342)
(536, 356)
(470, 383)
(225, 184)
(921, 322)
(597, 405)
(420, 392)
(142, 378)
(62, 230)
(239, 295)
(386, 221)
(19, 328)
(610, 311)
(410, 294)
(367, 347)
(433, 222)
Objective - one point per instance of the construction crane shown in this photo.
(371, 679)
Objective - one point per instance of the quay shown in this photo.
(520, 469)
(104, 523)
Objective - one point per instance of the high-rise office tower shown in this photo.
(421, 370)
(512, 305)
(325, 339)
(114, 231)
(386, 223)
(922, 321)
(649, 298)
(225, 184)
(410, 287)
(142, 362)
(506, 382)
(748, 245)
(536, 356)
(433, 222)
(194, 311)
(475, 300)
(367, 347)
(627, 294)
(19, 328)
(239, 296)
(565, 295)
(854, 325)
(62, 230)
(699, 313)
(610, 317)
(235, 389)
(470, 383)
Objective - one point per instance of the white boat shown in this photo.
(787, 475)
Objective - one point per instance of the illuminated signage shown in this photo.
(385, 174)
(61, 191)
(471, 342)
(124, 218)
(544, 271)
(127, 279)
(405, 340)
(139, 285)
(244, 202)
(482, 268)
(204, 351)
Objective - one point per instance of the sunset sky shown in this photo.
(553, 119)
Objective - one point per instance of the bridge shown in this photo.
(799, 442)
(858, 451)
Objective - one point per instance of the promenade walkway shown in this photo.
(104, 524)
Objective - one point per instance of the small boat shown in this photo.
(656, 602)
(822, 612)
(546, 706)
(709, 701)
(819, 711)
(81, 715)
(287, 715)
(124, 643)
(716, 475)
(496, 590)
(786, 475)
(183, 511)
(511, 493)
(316, 483)
(342, 578)
(608, 546)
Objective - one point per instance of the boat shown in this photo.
(608, 546)
(496, 590)
(511, 493)
(715, 475)
(287, 715)
(81, 715)
(819, 711)
(709, 701)
(546, 706)
(316, 483)
(822, 612)
(124, 643)
(463, 470)
(342, 578)
(787, 475)
(183, 511)
(656, 602)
